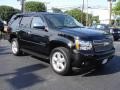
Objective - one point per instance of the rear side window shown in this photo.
(26, 22)
(16, 22)
(37, 20)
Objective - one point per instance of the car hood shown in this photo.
(85, 33)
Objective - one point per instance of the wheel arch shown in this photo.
(12, 36)
(60, 43)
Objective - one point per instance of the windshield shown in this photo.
(61, 21)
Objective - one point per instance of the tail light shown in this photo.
(8, 29)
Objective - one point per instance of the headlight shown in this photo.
(83, 45)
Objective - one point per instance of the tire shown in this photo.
(60, 61)
(15, 47)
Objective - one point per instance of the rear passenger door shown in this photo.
(24, 34)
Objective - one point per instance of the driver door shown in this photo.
(39, 36)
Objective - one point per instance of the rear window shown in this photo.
(12, 19)
(16, 22)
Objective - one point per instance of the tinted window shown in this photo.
(38, 21)
(16, 22)
(25, 22)
(14, 17)
(59, 20)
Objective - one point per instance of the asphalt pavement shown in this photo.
(31, 73)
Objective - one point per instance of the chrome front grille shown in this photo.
(102, 45)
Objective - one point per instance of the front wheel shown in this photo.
(60, 60)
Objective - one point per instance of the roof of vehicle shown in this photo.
(36, 13)
(30, 14)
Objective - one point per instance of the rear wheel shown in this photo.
(15, 47)
(60, 61)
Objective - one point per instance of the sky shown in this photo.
(67, 4)
(58, 3)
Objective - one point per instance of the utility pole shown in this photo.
(22, 5)
(110, 11)
(87, 18)
(82, 11)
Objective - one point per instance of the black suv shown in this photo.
(61, 39)
(112, 30)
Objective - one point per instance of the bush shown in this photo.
(33, 6)
(6, 12)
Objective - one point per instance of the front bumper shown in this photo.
(78, 57)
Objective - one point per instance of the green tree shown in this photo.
(76, 13)
(6, 12)
(116, 8)
(56, 10)
(33, 6)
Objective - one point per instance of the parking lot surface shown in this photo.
(31, 73)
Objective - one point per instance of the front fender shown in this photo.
(62, 41)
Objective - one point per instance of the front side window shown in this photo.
(60, 21)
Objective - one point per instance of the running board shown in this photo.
(35, 54)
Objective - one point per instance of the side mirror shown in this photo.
(38, 26)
